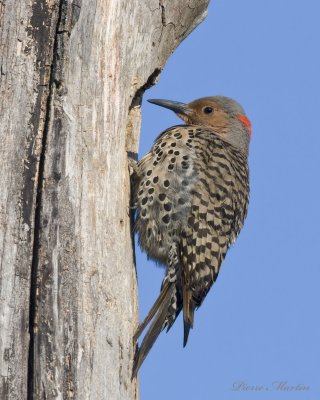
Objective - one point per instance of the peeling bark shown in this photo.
(72, 78)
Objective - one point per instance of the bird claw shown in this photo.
(132, 166)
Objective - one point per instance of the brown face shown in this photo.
(207, 113)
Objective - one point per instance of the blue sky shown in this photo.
(259, 323)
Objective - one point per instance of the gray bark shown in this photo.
(72, 77)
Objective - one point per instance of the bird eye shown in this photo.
(208, 110)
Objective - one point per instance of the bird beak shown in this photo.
(176, 106)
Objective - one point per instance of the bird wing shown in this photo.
(207, 235)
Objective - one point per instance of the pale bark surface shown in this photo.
(72, 76)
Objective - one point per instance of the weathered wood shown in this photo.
(72, 77)
(26, 38)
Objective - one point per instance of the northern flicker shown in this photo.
(191, 194)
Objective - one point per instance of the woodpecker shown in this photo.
(191, 194)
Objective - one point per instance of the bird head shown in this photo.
(224, 116)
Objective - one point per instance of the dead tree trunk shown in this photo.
(72, 77)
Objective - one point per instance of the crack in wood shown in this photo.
(152, 80)
(37, 218)
(163, 13)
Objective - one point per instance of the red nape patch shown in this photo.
(246, 122)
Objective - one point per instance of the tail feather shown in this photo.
(188, 311)
(152, 312)
(159, 311)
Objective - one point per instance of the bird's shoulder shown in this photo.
(191, 135)
(188, 131)
(169, 132)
